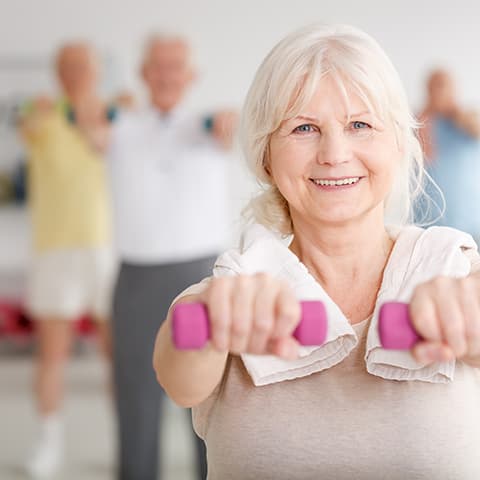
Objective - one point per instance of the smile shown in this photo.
(337, 182)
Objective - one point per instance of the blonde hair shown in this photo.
(287, 80)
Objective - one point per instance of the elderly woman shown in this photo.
(328, 132)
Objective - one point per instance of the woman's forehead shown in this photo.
(328, 93)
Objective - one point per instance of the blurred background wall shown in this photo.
(230, 38)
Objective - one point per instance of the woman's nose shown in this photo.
(333, 149)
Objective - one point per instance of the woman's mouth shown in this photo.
(335, 183)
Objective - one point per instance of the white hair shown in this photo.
(287, 80)
(165, 38)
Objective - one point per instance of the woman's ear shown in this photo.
(267, 169)
(266, 161)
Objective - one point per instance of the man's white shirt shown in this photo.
(168, 180)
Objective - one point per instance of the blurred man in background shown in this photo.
(451, 139)
(73, 267)
(169, 182)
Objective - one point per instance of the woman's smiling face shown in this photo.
(333, 162)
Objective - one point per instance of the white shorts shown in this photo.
(69, 283)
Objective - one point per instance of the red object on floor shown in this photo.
(85, 326)
(14, 321)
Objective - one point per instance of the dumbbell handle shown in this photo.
(191, 327)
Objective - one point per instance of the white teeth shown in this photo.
(332, 183)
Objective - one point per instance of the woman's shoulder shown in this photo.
(435, 249)
(433, 235)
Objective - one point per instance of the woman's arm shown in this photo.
(188, 377)
(248, 314)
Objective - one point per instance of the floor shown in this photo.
(88, 420)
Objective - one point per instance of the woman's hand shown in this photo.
(446, 313)
(252, 314)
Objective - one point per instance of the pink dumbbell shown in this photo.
(395, 327)
(191, 328)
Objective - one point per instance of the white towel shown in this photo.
(418, 255)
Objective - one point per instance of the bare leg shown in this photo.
(104, 342)
(54, 344)
(104, 335)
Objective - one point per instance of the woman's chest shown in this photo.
(343, 423)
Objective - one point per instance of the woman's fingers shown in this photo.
(471, 313)
(264, 314)
(258, 314)
(288, 313)
(218, 300)
(248, 311)
(452, 323)
(424, 314)
(286, 347)
(430, 352)
(446, 313)
(243, 299)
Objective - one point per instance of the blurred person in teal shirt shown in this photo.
(451, 139)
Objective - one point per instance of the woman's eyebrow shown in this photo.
(359, 114)
(313, 118)
(308, 118)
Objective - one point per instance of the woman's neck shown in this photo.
(339, 255)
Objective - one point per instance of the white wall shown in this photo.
(230, 38)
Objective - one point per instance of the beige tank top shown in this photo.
(342, 423)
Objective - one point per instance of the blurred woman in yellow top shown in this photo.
(72, 268)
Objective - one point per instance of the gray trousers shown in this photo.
(142, 297)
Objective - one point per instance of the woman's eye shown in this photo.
(359, 125)
(306, 128)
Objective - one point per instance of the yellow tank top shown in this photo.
(67, 188)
